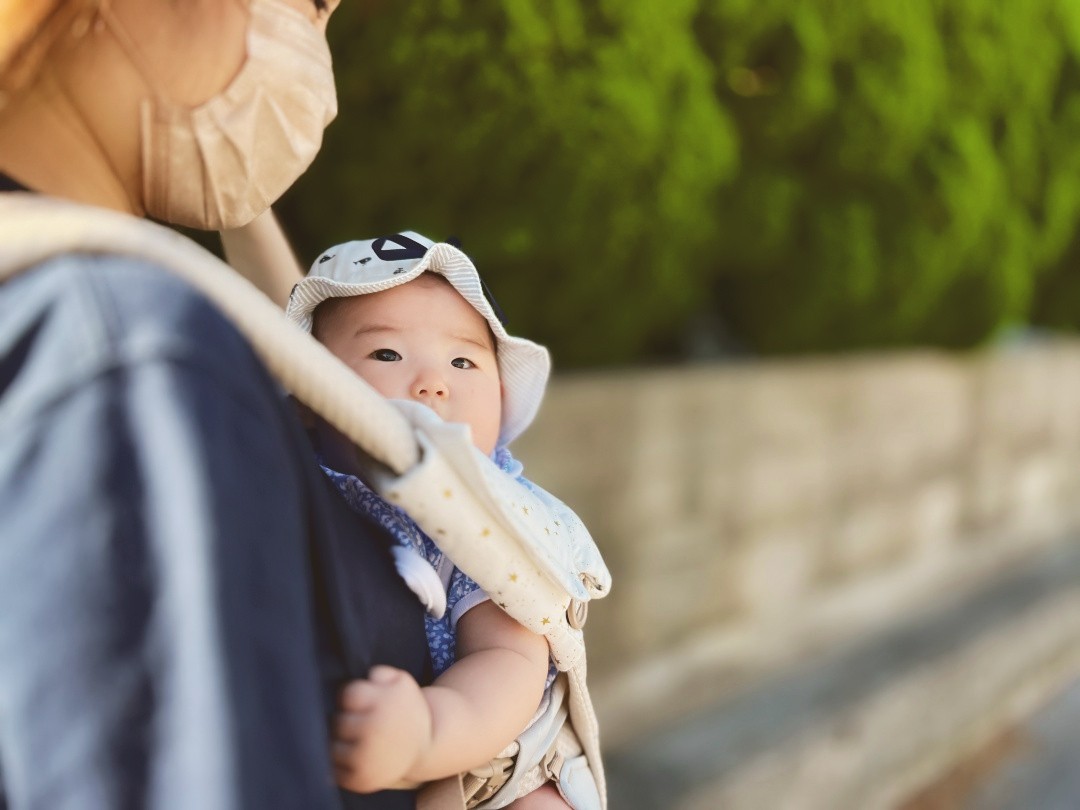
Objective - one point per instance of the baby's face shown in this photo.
(421, 341)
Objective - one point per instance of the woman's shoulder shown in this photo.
(92, 313)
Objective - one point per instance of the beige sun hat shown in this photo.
(373, 265)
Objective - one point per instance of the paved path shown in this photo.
(1042, 771)
(717, 743)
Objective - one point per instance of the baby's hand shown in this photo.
(382, 730)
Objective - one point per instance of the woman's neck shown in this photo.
(48, 145)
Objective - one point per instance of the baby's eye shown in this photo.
(385, 355)
(462, 362)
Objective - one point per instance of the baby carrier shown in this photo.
(535, 562)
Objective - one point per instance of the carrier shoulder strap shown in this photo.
(35, 228)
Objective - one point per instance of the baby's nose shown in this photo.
(430, 386)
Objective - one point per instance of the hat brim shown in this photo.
(524, 366)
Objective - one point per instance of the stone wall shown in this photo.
(754, 513)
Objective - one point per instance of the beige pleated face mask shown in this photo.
(226, 161)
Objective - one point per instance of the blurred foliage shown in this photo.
(810, 176)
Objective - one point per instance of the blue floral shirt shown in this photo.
(462, 593)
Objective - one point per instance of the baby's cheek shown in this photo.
(376, 374)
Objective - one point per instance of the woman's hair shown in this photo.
(29, 29)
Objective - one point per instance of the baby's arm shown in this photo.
(260, 252)
(391, 733)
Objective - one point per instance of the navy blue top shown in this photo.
(154, 483)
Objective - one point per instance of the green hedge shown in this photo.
(812, 176)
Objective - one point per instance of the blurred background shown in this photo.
(809, 273)
(652, 182)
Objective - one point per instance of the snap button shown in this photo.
(577, 613)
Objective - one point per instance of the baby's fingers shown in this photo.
(347, 727)
(359, 696)
(362, 695)
(342, 754)
(352, 774)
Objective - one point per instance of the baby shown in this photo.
(423, 330)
